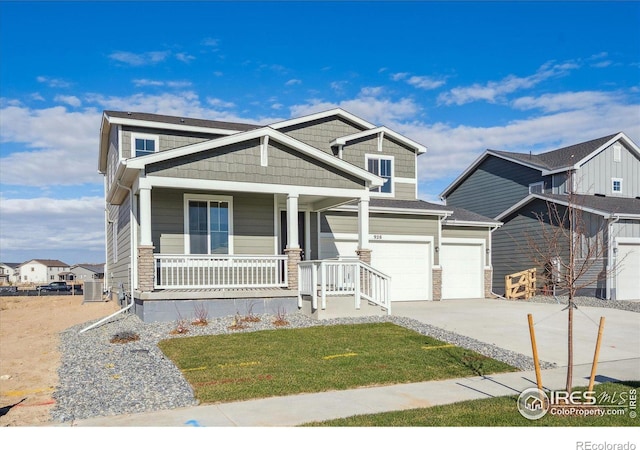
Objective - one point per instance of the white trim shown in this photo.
(388, 210)
(617, 152)
(242, 186)
(323, 115)
(276, 226)
(531, 197)
(187, 197)
(406, 180)
(264, 151)
(377, 237)
(368, 157)
(146, 137)
(380, 131)
(141, 162)
(469, 223)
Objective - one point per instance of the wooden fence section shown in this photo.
(521, 284)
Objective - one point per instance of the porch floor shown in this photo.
(221, 293)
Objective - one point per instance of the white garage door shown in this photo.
(407, 263)
(628, 276)
(462, 270)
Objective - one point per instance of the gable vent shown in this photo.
(599, 195)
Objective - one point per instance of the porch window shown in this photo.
(383, 167)
(143, 144)
(209, 226)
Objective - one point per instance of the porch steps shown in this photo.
(339, 306)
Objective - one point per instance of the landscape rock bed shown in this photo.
(100, 378)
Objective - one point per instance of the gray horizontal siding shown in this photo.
(241, 162)
(404, 191)
(253, 227)
(118, 271)
(385, 224)
(493, 187)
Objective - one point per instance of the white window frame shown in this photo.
(207, 198)
(146, 137)
(536, 184)
(613, 183)
(392, 179)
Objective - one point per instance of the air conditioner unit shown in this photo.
(92, 291)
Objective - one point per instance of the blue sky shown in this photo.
(458, 77)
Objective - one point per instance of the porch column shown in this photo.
(145, 246)
(363, 251)
(293, 249)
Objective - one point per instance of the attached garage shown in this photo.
(628, 270)
(462, 262)
(407, 260)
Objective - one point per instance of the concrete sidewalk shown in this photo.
(304, 408)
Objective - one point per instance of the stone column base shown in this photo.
(145, 268)
(364, 255)
(293, 255)
(436, 281)
(488, 283)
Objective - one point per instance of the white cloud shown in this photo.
(219, 103)
(139, 59)
(293, 82)
(424, 82)
(63, 146)
(565, 101)
(70, 100)
(184, 57)
(52, 224)
(143, 82)
(495, 91)
(210, 42)
(399, 76)
(53, 82)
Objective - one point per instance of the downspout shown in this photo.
(131, 300)
(612, 221)
(491, 259)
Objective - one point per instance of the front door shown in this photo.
(284, 237)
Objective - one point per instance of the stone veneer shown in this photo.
(293, 255)
(145, 268)
(436, 280)
(364, 255)
(488, 280)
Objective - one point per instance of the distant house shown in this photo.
(603, 178)
(84, 272)
(43, 271)
(9, 273)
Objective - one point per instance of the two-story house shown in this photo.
(9, 273)
(42, 270)
(279, 216)
(601, 178)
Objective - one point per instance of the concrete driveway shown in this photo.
(504, 324)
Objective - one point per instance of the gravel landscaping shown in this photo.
(100, 378)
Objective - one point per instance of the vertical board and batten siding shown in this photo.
(626, 229)
(449, 231)
(167, 139)
(595, 175)
(241, 162)
(253, 230)
(119, 270)
(494, 187)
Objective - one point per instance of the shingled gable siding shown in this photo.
(319, 133)
(252, 222)
(241, 162)
(596, 174)
(493, 187)
(167, 139)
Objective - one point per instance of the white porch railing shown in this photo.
(327, 278)
(223, 271)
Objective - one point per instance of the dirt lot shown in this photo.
(29, 356)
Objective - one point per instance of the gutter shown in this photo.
(612, 221)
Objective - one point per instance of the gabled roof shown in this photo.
(609, 207)
(452, 215)
(319, 155)
(554, 161)
(179, 121)
(47, 262)
(96, 268)
(338, 112)
(343, 140)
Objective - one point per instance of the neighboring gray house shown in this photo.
(9, 273)
(603, 176)
(83, 272)
(231, 214)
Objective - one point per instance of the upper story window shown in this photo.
(616, 185)
(536, 188)
(143, 144)
(383, 167)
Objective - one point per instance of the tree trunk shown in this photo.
(570, 346)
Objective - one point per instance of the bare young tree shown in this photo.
(570, 249)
